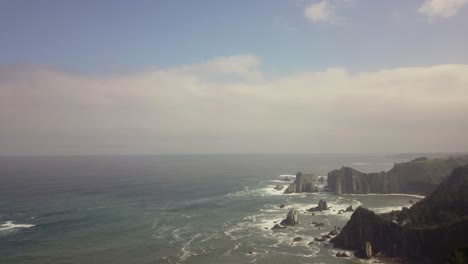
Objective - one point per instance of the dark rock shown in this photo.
(435, 226)
(279, 187)
(310, 243)
(322, 205)
(303, 183)
(321, 179)
(318, 223)
(286, 179)
(277, 227)
(250, 252)
(333, 233)
(292, 218)
(326, 236)
(342, 255)
(349, 209)
(297, 239)
(282, 206)
(321, 239)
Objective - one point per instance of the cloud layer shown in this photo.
(442, 8)
(228, 105)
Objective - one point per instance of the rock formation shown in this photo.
(419, 176)
(322, 205)
(279, 187)
(292, 218)
(303, 183)
(432, 228)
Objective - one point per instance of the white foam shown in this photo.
(389, 194)
(9, 225)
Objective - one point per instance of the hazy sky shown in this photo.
(157, 77)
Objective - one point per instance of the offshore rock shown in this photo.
(303, 183)
(322, 205)
(279, 187)
(292, 218)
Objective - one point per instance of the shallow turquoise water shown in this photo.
(170, 209)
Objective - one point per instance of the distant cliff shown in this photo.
(433, 228)
(303, 183)
(419, 176)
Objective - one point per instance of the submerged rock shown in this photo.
(321, 239)
(297, 239)
(282, 206)
(275, 227)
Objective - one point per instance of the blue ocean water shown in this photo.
(171, 209)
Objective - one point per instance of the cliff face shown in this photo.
(432, 228)
(419, 176)
(303, 183)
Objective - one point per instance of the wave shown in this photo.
(10, 225)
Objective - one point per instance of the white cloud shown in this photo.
(229, 105)
(441, 8)
(322, 11)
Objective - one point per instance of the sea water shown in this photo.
(173, 209)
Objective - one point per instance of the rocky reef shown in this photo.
(419, 176)
(428, 231)
(322, 205)
(303, 183)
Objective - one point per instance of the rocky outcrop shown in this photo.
(303, 183)
(292, 218)
(349, 209)
(322, 205)
(432, 228)
(419, 176)
(279, 187)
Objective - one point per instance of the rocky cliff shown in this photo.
(303, 183)
(419, 176)
(432, 228)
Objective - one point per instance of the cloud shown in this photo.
(322, 11)
(228, 105)
(441, 8)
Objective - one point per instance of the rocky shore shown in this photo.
(428, 231)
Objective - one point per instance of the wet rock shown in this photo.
(322, 205)
(279, 187)
(282, 206)
(310, 243)
(318, 223)
(349, 209)
(342, 255)
(321, 239)
(297, 239)
(292, 218)
(277, 227)
(326, 236)
(333, 233)
(286, 179)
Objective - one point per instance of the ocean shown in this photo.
(173, 209)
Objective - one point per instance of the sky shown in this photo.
(201, 77)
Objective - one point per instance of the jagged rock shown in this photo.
(326, 236)
(279, 187)
(250, 252)
(277, 227)
(318, 223)
(321, 179)
(349, 209)
(333, 233)
(310, 243)
(297, 239)
(286, 179)
(419, 176)
(282, 206)
(437, 225)
(292, 218)
(342, 255)
(322, 205)
(303, 183)
(321, 239)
